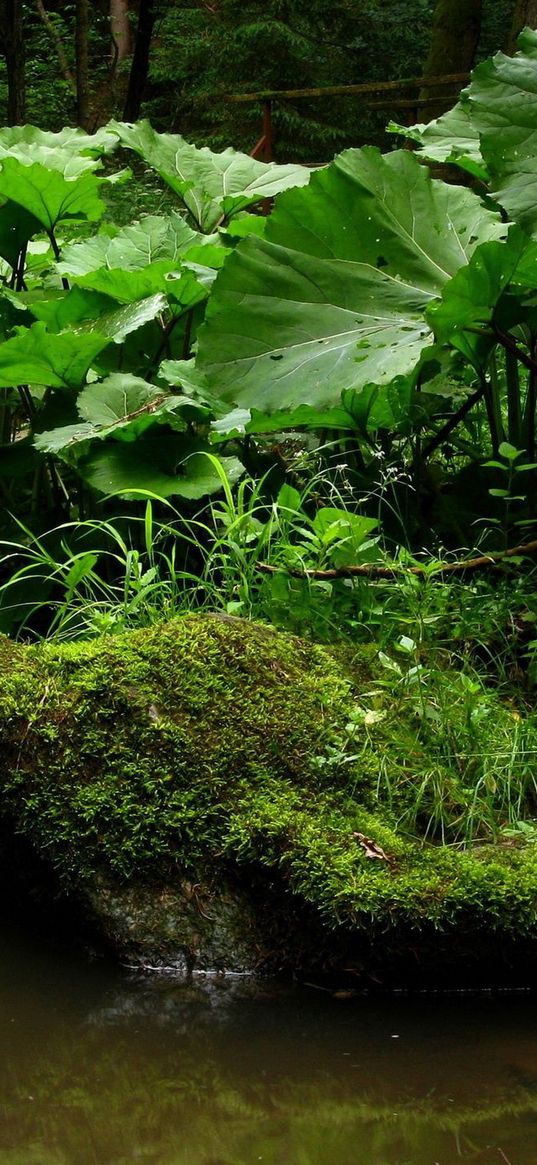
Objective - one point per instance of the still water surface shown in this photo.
(100, 1069)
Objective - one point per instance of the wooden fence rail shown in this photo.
(350, 90)
(371, 91)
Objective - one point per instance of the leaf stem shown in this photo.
(20, 269)
(493, 405)
(164, 344)
(25, 395)
(188, 333)
(514, 410)
(530, 407)
(455, 420)
(509, 343)
(57, 255)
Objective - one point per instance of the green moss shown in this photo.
(209, 744)
(131, 751)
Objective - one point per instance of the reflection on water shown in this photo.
(99, 1070)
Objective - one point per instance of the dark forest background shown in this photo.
(174, 60)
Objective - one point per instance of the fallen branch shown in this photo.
(372, 570)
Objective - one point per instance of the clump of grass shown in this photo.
(459, 756)
(96, 576)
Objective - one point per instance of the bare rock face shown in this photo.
(182, 928)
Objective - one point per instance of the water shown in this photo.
(97, 1069)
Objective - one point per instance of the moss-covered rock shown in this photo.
(194, 764)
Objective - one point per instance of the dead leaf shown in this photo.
(371, 849)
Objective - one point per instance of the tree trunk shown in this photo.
(120, 31)
(140, 61)
(82, 62)
(455, 36)
(524, 16)
(58, 44)
(12, 27)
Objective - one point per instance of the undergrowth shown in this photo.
(448, 710)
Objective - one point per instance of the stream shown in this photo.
(101, 1068)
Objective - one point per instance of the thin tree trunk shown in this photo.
(58, 44)
(82, 62)
(140, 61)
(12, 27)
(120, 31)
(455, 37)
(524, 16)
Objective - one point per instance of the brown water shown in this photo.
(97, 1069)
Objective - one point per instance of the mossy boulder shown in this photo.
(183, 781)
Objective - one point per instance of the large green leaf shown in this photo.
(287, 329)
(240, 422)
(16, 227)
(334, 296)
(83, 310)
(367, 411)
(120, 322)
(450, 139)
(212, 186)
(157, 280)
(169, 465)
(503, 100)
(70, 139)
(492, 132)
(244, 224)
(51, 194)
(33, 356)
(115, 399)
(121, 407)
(385, 211)
(515, 189)
(59, 442)
(11, 312)
(503, 107)
(474, 302)
(62, 161)
(155, 238)
(183, 375)
(127, 286)
(144, 259)
(61, 310)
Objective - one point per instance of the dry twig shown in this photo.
(372, 570)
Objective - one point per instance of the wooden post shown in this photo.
(263, 147)
(268, 131)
